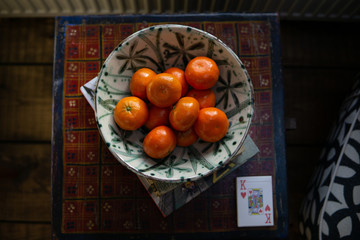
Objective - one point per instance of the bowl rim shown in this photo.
(246, 131)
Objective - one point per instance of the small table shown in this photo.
(94, 197)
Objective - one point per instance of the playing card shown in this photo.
(254, 201)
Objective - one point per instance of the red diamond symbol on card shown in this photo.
(267, 208)
(243, 194)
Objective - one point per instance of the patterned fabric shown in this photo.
(93, 195)
(331, 209)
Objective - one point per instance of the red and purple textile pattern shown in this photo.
(93, 195)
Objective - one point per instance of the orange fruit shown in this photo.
(159, 142)
(130, 113)
(139, 81)
(180, 74)
(184, 114)
(157, 116)
(163, 90)
(201, 73)
(186, 138)
(206, 98)
(211, 125)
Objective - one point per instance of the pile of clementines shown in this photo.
(177, 106)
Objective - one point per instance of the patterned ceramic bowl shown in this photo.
(161, 47)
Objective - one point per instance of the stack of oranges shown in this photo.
(177, 106)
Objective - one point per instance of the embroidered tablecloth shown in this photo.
(95, 197)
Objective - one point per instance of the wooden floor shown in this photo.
(320, 61)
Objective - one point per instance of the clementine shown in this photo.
(186, 138)
(130, 113)
(180, 74)
(206, 98)
(139, 81)
(211, 125)
(159, 142)
(157, 116)
(163, 90)
(201, 73)
(184, 114)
